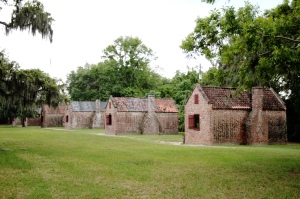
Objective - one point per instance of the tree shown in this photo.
(130, 61)
(252, 49)
(22, 91)
(179, 88)
(125, 71)
(209, 1)
(30, 16)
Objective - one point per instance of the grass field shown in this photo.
(56, 163)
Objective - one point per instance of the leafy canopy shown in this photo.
(125, 71)
(30, 16)
(22, 91)
(248, 48)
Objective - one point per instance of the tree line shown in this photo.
(246, 48)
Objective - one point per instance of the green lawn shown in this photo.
(56, 163)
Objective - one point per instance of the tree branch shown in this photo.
(282, 37)
(3, 23)
(287, 38)
(265, 53)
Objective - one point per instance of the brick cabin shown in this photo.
(222, 115)
(85, 114)
(141, 116)
(52, 116)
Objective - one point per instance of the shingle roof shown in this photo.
(86, 106)
(271, 101)
(229, 98)
(130, 104)
(103, 106)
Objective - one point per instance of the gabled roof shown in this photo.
(130, 104)
(272, 101)
(86, 106)
(229, 98)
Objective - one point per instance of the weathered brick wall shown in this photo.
(82, 119)
(276, 126)
(110, 109)
(53, 120)
(129, 122)
(52, 117)
(203, 135)
(34, 121)
(139, 123)
(228, 126)
(168, 123)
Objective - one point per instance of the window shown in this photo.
(196, 99)
(67, 118)
(109, 104)
(42, 119)
(108, 119)
(194, 122)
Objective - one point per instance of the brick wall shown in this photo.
(52, 117)
(53, 120)
(276, 126)
(228, 126)
(202, 135)
(34, 121)
(168, 123)
(82, 119)
(140, 122)
(111, 129)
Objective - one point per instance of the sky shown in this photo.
(83, 29)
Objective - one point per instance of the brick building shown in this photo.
(141, 116)
(85, 114)
(222, 115)
(52, 116)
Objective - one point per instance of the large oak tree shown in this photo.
(21, 91)
(125, 71)
(253, 49)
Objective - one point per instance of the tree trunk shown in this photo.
(23, 120)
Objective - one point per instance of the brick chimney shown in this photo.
(98, 105)
(151, 104)
(150, 121)
(97, 116)
(257, 124)
(257, 98)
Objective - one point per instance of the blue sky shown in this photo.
(83, 30)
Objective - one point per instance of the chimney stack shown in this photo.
(257, 98)
(151, 104)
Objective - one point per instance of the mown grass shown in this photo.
(55, 163)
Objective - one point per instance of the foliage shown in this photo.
(45, 163)
(30, 16)
(179, 88)
(24, 90)
(125, 72)
(252, 49)
(209, 1)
